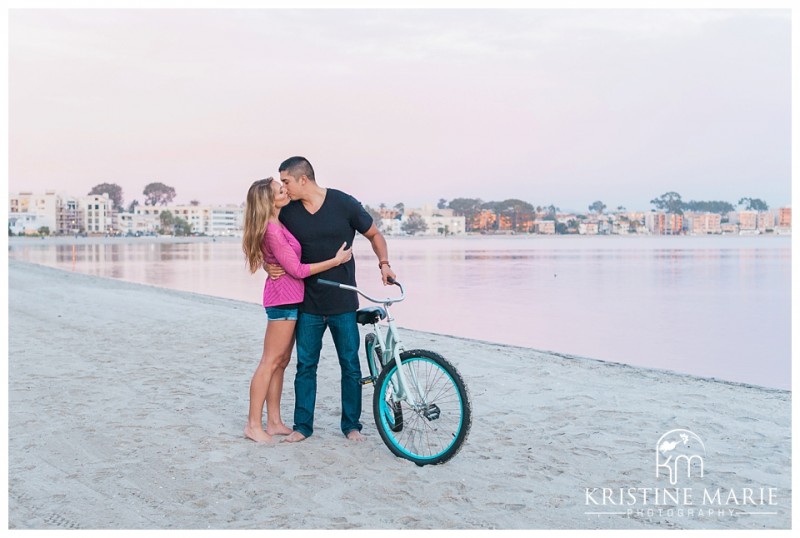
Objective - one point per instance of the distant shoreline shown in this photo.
(100, 240)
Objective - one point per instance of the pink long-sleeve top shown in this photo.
(281, 247)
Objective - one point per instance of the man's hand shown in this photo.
(274, 271)
(387, 272)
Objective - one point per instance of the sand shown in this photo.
(127, 404)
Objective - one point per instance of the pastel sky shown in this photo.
(550, 106)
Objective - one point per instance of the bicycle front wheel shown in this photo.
(435, 429)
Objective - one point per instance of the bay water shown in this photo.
(711, 306)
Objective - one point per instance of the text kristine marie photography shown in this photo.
(680, 489)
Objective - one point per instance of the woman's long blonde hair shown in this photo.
(258, 210)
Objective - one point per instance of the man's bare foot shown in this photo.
(355, 435)
(278, 429)
(294, 437)
(257, 434)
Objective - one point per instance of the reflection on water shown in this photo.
(710, 306)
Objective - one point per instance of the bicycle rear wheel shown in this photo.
(373, 352)
(435, 431)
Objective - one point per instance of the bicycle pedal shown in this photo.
(432, 412)
(367, 380)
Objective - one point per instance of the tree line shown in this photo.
(155, 193)
(671, 202)
(519, 213)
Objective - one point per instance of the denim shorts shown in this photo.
(281, 313)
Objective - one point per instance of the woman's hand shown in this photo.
(344, 254)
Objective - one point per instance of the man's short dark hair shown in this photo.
(296, 167)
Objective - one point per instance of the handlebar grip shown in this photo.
(328, 282)
(390, 280)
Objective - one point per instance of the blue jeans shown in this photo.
(344, 330)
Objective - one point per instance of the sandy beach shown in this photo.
(127, 404)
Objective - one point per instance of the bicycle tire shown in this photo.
(432, 435)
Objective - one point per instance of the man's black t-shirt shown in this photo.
(320, 236)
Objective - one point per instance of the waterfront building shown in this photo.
(784, 226)
(35, 210)
(96, 213)
(438, 221)
(59, 213)
(199, 217)
(704, 223)
(391, 226)
(747, 220)
(785, 217)
(388, 213)
(659, 223)
(69, 216)
(546, 227)
(204, 219)
(24, 223)
(765, 221)
(226, 220)
(137, 223)
(484, 220)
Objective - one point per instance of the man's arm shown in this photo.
(381, 251)
(274, 270)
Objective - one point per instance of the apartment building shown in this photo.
(226, 220)
(748, 221)
(204, 219)
(546, 227)
(137, 223)
(97, 214)
(664, 223)
(32, 211)
(704, 223)
(785, 217)
(438, 221)
(765, 221)
(198, 216)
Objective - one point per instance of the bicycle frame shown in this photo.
(421, 404)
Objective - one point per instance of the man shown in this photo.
(322, 219)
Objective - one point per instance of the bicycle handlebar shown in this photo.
(386, 301)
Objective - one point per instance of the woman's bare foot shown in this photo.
(278, 429)
(294, 437)
(355, 435)
(257, 434)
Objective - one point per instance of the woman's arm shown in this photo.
(290, 262)
(342, 256)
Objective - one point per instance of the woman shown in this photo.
(266, 240)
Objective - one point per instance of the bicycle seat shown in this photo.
(370, 315)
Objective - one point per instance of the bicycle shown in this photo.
(421, 404)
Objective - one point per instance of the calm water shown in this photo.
(708, 306)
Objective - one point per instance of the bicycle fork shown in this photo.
(401, 383)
